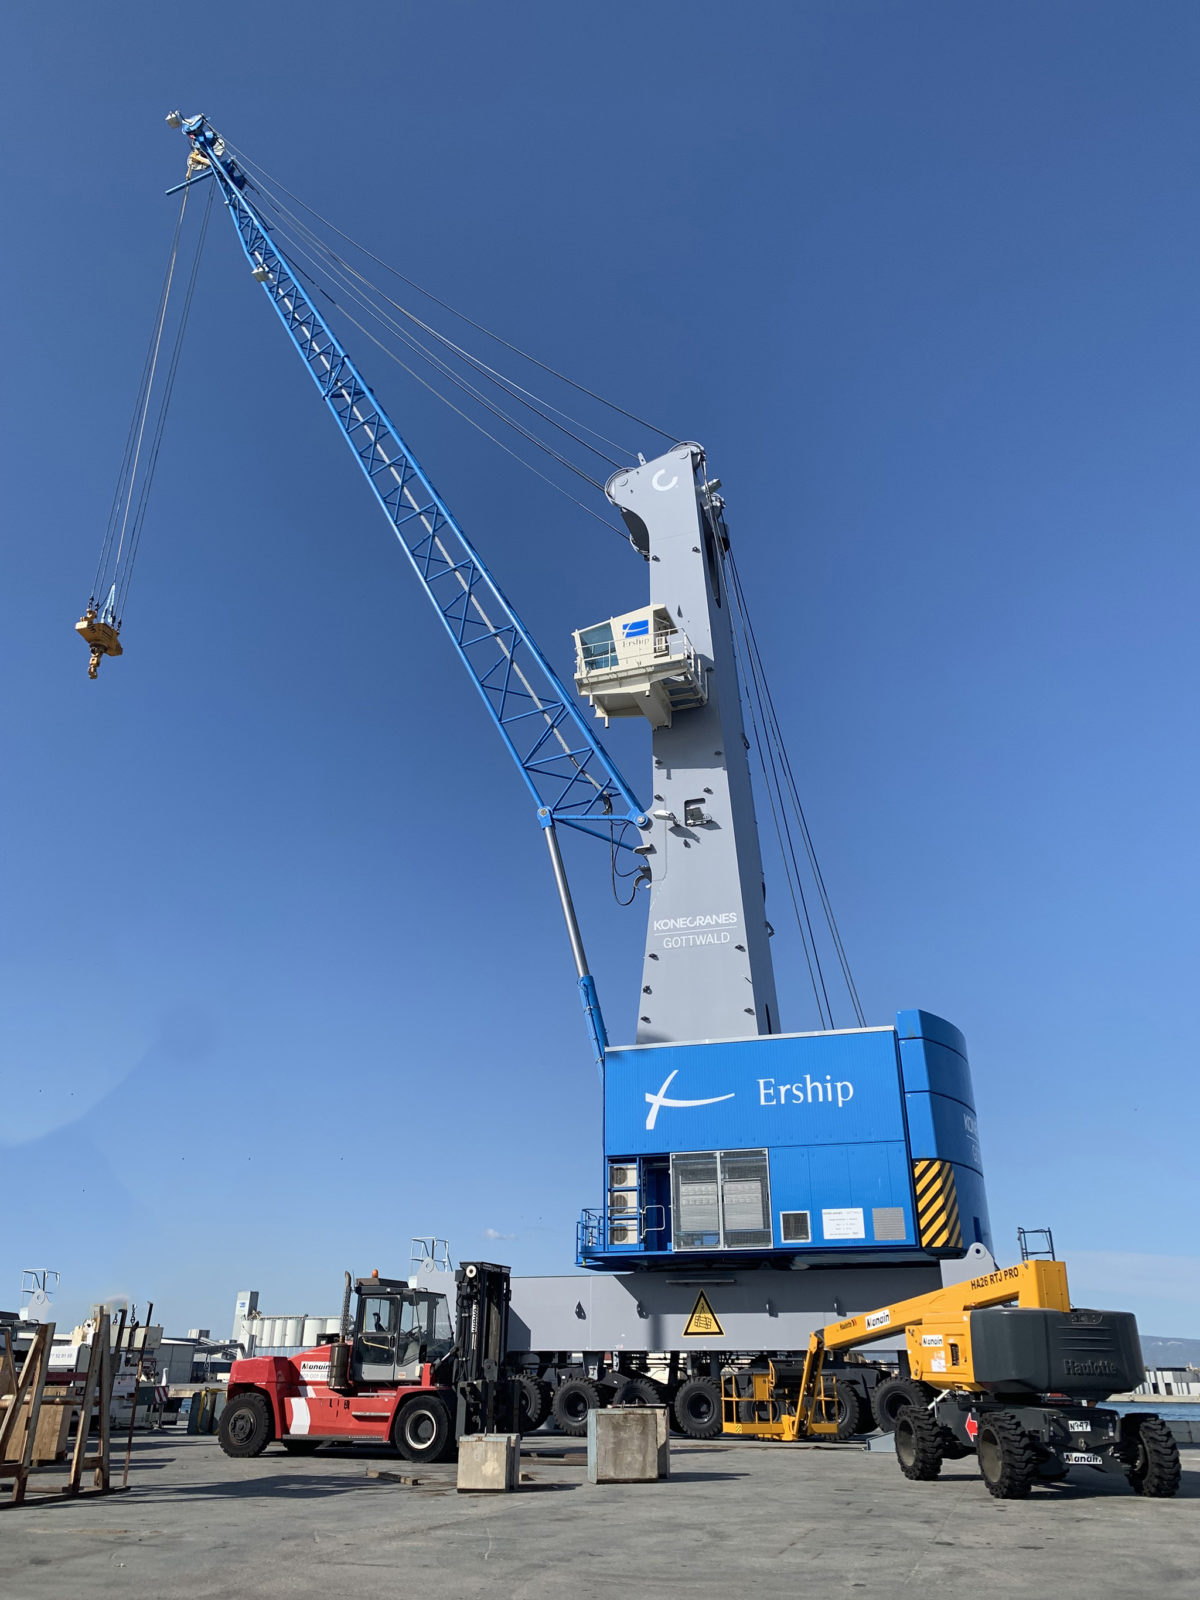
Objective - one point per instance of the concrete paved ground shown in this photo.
(736, 1519)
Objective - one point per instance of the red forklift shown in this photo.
(399, 1373)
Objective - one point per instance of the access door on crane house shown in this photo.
(786, 1143)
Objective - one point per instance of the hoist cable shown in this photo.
(446, 401)
(763, 747)
(526, 397)
(245, 161)
(168, 390)
(440, 366)
(790, 788)
(780, 764)
(137, 423)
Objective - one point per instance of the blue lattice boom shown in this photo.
(568, 772)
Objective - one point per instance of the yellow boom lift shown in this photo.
(1001, 1367)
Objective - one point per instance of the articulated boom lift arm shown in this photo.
(567, 771)
(1033, 1283)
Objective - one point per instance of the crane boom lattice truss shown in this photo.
(570, 776)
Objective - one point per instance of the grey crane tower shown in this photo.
(707, 972)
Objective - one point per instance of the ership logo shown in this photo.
(657, 1101)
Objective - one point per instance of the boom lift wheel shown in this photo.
(697, 1408)
(422, 1430)
(1155, 1469)
(1007, 1459)
(920, 1449)
(246, 1427)
(573, 1401)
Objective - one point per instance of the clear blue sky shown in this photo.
(284, 977)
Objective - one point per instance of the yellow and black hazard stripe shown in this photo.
(937, 1206)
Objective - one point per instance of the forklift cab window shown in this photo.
(408, 1346)
(439, 1336)
(378, 1337)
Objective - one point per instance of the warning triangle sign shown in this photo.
(703, 1321)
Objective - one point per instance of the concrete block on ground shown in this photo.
(622, 1445)
(489, 1463)
(662, 1422)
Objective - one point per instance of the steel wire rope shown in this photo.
(139, 516)
(137, 423)
(788, 787)
(523, 396)
(810, 847)
(446, 306)
(458, 411)
(437, 363)
(783, 836)
(467, 587)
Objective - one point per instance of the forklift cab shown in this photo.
(397, 1330)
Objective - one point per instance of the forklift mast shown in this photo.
(486, 1398)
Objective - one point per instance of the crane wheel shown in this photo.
(533, 1401)
(853, 1410)
(638, 1392)
(246, 1427)
(1155, 1469)
(697, 1408)
(1007, 1459)
(895, 1393)
(572, 1402)
(422, 1430)
(920, 1447)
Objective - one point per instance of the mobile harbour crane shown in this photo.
(756, 1184)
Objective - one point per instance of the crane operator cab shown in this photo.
(397, 1330)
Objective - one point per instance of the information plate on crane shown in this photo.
(703, 1322)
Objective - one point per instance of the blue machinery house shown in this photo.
(822, 1148)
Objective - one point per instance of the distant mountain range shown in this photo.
(1170, 1352)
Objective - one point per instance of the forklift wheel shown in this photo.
(422, 1431)
(246, 1427)
(920, 1448)
(1156, 1470)
(1007, 1459)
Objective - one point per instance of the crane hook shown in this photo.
(101, 636)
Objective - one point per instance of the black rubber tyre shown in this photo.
(1156, 1470)
(301, 1447)
(533, 1402)
(920, 1446)
(895, 1393)
(246, 1427)
(1007, 1459)
(422, 1430)
(572, 1402)
(638, 1392)
(853, 1410)
(697, 1408)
